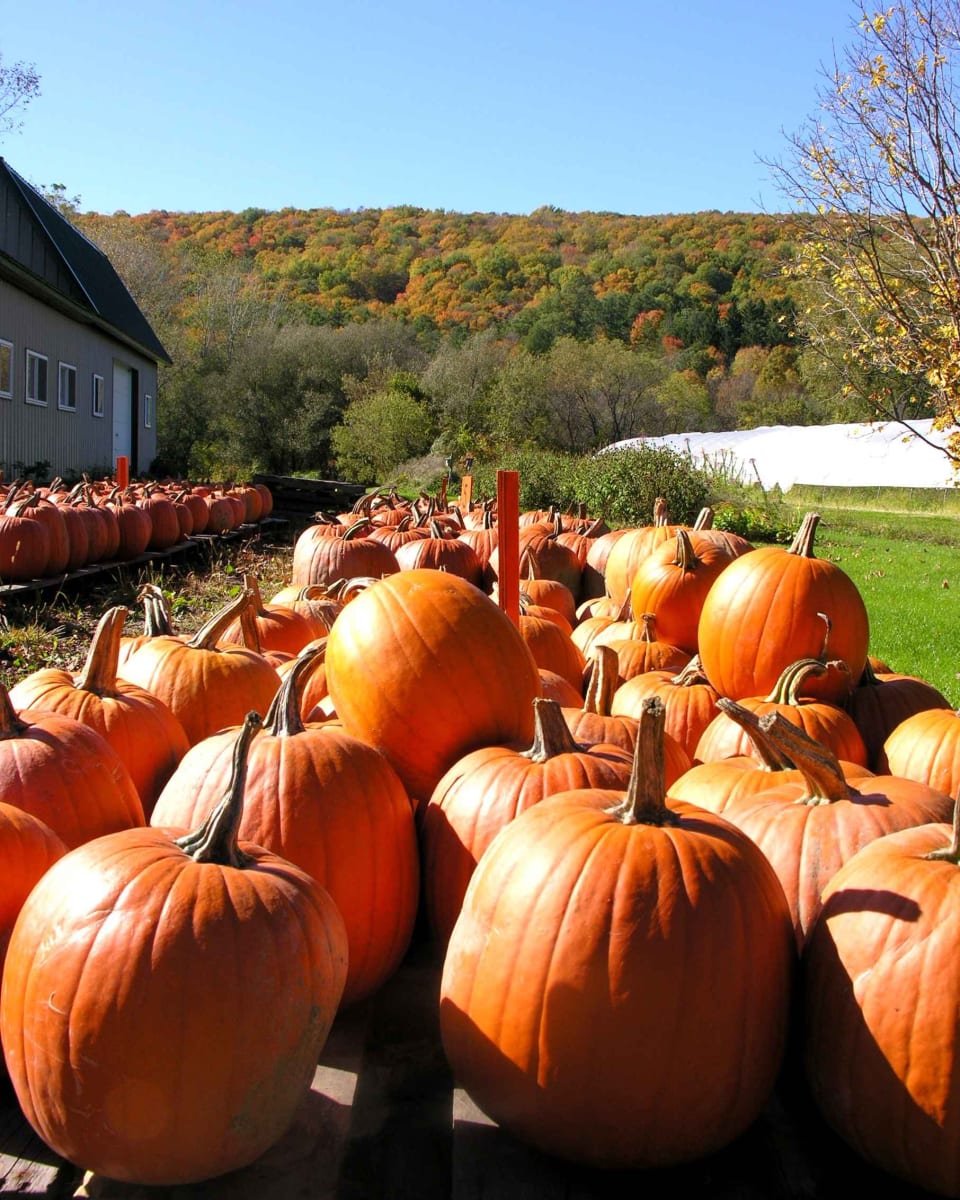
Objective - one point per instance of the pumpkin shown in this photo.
(328, 803)
(882, 991)
(322, 558)
(141, 728)
(687, 697)
(486, 789)
(809, 830)
(592, 1001)
(766, 610)
(926, 747)
(64, 773)
(165, 998)
(28, 848)
(451, 673)
(825, 723)
(881, 700)
(206, 685)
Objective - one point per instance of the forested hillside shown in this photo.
(351, 342)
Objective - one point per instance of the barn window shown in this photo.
(67, 387)
(6, 369)
(96, 395)
(148, 412)
(36, 378)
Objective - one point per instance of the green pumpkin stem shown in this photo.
(216, 839)
(99, 674)
(283, 717)
(646, 799)
(551, 734)
(818, 765)
(691, 674)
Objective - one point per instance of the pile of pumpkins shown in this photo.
(675, 819)
(53, 530)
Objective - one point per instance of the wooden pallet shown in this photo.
(301, 498)
(384, 1119)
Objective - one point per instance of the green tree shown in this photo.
(381, 429)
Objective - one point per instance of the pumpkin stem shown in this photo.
(686, 558)
(704, 519)
(283, 717)
(99, 674)
(603, 681)
(691, 674)
(216, 839)
(156, 611)
(767, 750)
(647, 622)
(551, 734)
(787, 688)
(818, 765)
(10, 724)
(646, 799)
(949, 853)
(207, 635)
(802, 543)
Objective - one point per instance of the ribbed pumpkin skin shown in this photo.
(426, 667)
(333, 806)
(67, 775)
(28, 848)
(926, 747)
(808, 843)
(760, 615)
(162, 1018)
(205, 689)
(592, 1000)
(483, 793)
(882, 987)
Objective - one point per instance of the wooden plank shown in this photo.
(508, 543)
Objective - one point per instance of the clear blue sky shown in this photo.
(631, 106)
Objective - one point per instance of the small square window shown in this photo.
(67, 387)
(6, 369)
(148, 412)
(36, 392)
(96, 396)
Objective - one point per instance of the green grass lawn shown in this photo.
(907, 567)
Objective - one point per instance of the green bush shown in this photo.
(620, 486)
(755, 523)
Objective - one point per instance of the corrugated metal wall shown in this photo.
(70, 441)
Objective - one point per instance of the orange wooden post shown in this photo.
(508, 543)
(466, 493)
(123, 471)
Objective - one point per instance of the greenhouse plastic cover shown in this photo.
(884, 454)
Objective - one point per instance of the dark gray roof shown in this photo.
(103, 290)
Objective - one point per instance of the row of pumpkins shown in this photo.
(647, 863)
(47, 531)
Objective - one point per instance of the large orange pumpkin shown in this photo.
(328, 803)
(165, 999)
(426, 667)
(882, 992)
(767, 609)
(593, 1001)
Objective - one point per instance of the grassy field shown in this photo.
(907, 567)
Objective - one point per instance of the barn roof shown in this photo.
(101, 290)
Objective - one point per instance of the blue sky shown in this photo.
(630, 106)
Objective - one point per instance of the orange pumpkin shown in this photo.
(426, 667)
(165, 999)
(598, 911)
(328, 803)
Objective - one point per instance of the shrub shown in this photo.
(619, 485)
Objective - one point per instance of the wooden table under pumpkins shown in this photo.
(384, 1119)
